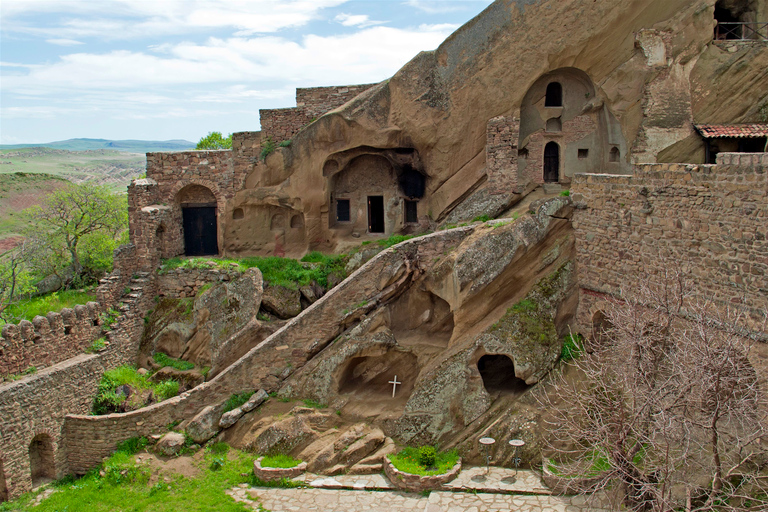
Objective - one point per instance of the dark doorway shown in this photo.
(728, 25)
(375, 214)
(554, 95)
(498, 373)
(551, 162)
(3, 487)
(411, 212)
(200, 236)
(41, 464)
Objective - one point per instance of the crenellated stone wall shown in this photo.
(709, 221)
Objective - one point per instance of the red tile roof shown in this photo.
(714, 131)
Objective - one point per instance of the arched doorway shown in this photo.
(41, 462)
(198, 212)
(551, 162)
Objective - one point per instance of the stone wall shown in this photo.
(501, 155)
(283, 123)
(90, 438)
(37, 404)
(182, 283)
(709, 221)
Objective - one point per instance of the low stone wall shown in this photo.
(418, 483)
(182, 283)
(269, 363)
(708, 221)
(269, 474)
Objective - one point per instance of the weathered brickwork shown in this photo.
(183, 283)
(283, 123)
(38, 404)
(501, 155)
(246, 149)
(174, 171)
(90, 438)
(710, 221)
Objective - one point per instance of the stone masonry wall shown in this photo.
(173, 171)
(501, 155)
(709, 221)
(183, 283)
(283, 123)
(37, 404)
(90, 438)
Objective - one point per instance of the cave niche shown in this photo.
(498, 374)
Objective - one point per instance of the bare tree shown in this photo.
(667, 412)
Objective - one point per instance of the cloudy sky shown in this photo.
(177, 69)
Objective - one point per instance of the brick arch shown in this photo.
(210, 185)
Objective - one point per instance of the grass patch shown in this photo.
(572, 347)
(177, 364)
(97, 346)
(314, 404)
(287, 272)
(279, 461)
(565, 193)
(482, 218)
(125, 486)
(28, 309)
(108, 399)
(394, 240)
(409, 460)
(236, 400)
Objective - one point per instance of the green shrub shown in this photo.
(97, 346)
(177, 364)
(107, 398)
(408, 460)
(217, 463)
(279, 461)
(482, 218)
(285, 144)
(565, 193)
(427, 456)
(572, 347)
(166, 389)
(133, 445)
(267, 147)
(236, 400)
(109, 317)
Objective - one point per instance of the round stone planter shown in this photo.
(417, 483)
(566, 486)
(269, 474)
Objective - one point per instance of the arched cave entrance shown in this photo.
(198, 212)
(732, 17)
(3, 487)
(365, 380)
(551, 162)
(41, 462)
(498, 373)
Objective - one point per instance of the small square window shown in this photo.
(342, 210)
(411, 212)
(583, 153)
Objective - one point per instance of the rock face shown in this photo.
(205, 425)
(484, 325)
(170, 444)
(208, 329)
(281, 301)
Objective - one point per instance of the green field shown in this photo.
(131, 146)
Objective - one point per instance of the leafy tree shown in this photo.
(75, 229)
(15, 278)
(215, 140)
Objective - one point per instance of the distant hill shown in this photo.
(128, 146)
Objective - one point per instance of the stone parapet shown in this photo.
(708, 221)
(268, 474)
(418, 483)
(183, 283)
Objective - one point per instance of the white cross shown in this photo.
(394, 385)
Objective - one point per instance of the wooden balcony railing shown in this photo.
(741, 31)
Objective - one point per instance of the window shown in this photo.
(614, 155)
(583, 153)
(238, 214)
(554, 96)
(342, 210)
(411, 212)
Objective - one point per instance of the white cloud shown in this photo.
(367, 55)
(126, 19)
(356, 20)
(64, 42)
(443, 6)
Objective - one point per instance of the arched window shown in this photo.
(554, 96)
(297, 222)
(614, 155)
(238, 214)
(278, 222)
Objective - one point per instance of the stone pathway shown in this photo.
(327, 500)
(473, 491)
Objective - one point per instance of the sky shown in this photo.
(178, 69)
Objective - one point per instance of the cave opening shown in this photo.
(498, 373)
